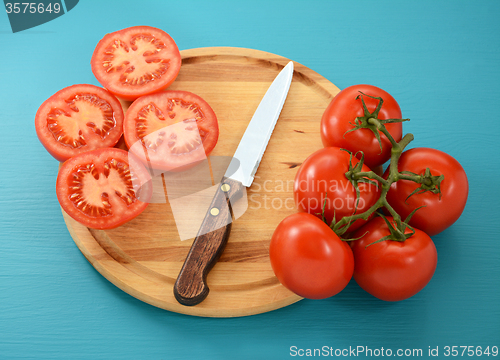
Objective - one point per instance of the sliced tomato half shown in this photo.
(136, 61)
(171, 130)
(79, 118)
(103, 188)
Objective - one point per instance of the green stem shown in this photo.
(417, 178)
(370, 175)
(400, 228)
(341, 227)
(380, 127)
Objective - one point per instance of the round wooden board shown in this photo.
(144, 256)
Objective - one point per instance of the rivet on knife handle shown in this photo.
(191, 286)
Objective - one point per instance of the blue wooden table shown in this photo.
(440, 60)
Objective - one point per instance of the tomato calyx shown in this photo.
(353, 174)
(397, 231)
(427, 181)
(371, 121)
(356, 176)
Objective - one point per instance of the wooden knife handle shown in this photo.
(191, 286)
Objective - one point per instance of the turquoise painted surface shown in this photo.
(440, 60)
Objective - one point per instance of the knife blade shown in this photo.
(191, 286)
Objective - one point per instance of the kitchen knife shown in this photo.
(191, 286)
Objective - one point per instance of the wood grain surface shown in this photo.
(144, 256)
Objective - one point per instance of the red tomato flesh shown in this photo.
(103, 188)
(171, 130)
(79, 118)
(136, 61)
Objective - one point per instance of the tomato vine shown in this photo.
(427, 181)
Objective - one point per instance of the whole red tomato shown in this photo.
(339, 117)
(322, 177)
(439, 211)
(392, 270)
(308, 258)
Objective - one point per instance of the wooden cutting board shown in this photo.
(144, 256)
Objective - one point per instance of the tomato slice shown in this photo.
(171, 130)
(79, 118)
(136, 61)
(103, 188)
